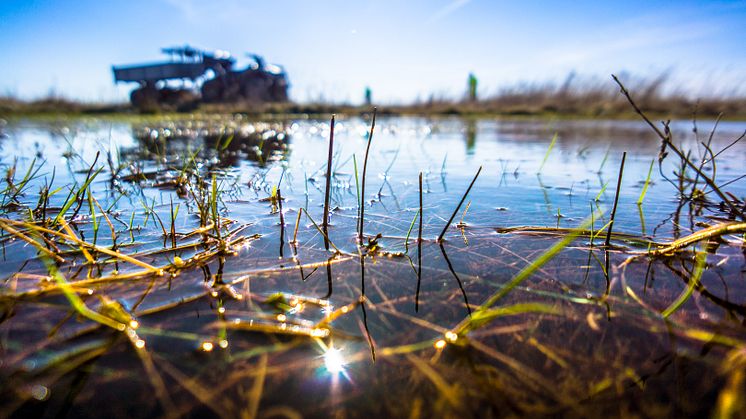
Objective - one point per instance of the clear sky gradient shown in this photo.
(404, 50)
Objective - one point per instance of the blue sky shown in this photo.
(404, 50)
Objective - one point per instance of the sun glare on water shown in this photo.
(334, 362)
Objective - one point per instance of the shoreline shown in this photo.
(730, 110)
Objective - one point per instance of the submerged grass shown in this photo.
(694, 282)
(244, 341)
(485, 313)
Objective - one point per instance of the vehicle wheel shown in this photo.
(212, 91)
(145, 99)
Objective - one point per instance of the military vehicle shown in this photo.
(192, 76)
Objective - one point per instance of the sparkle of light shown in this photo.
(440, 344)
(40, 392)
(451, 337)
(207, 346)
(139, 344)
(334, 361)
(320, 333)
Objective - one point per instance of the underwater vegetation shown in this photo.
(222, 267)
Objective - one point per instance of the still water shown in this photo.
(271, 324)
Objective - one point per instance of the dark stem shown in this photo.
(616, 200)
(458, 280)
(362, 307)
(611, 222)
(325, 221)
(362, 188)
(667, 142)
(282, 221)
(455, 211)
(704, 159)
(419, 255)
(328, 278)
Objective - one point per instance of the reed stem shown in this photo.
(419, 254)
(362, 189)
(455, 211)
(616, 201)
(325, 221)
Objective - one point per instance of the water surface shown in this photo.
(579, 340)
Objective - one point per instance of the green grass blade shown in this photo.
(647, 184)
(526, 272)
(482, 317)
(603, 161)
(357, 185)
(699, 268)
(76, 302)
(411, 226)
(549, 150)
(227, 142)
(93, 215)
(601, 192)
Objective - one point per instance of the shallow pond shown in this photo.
(151, 268)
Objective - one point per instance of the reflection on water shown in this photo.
(254, 142)
(471, 136)
(277, 323)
